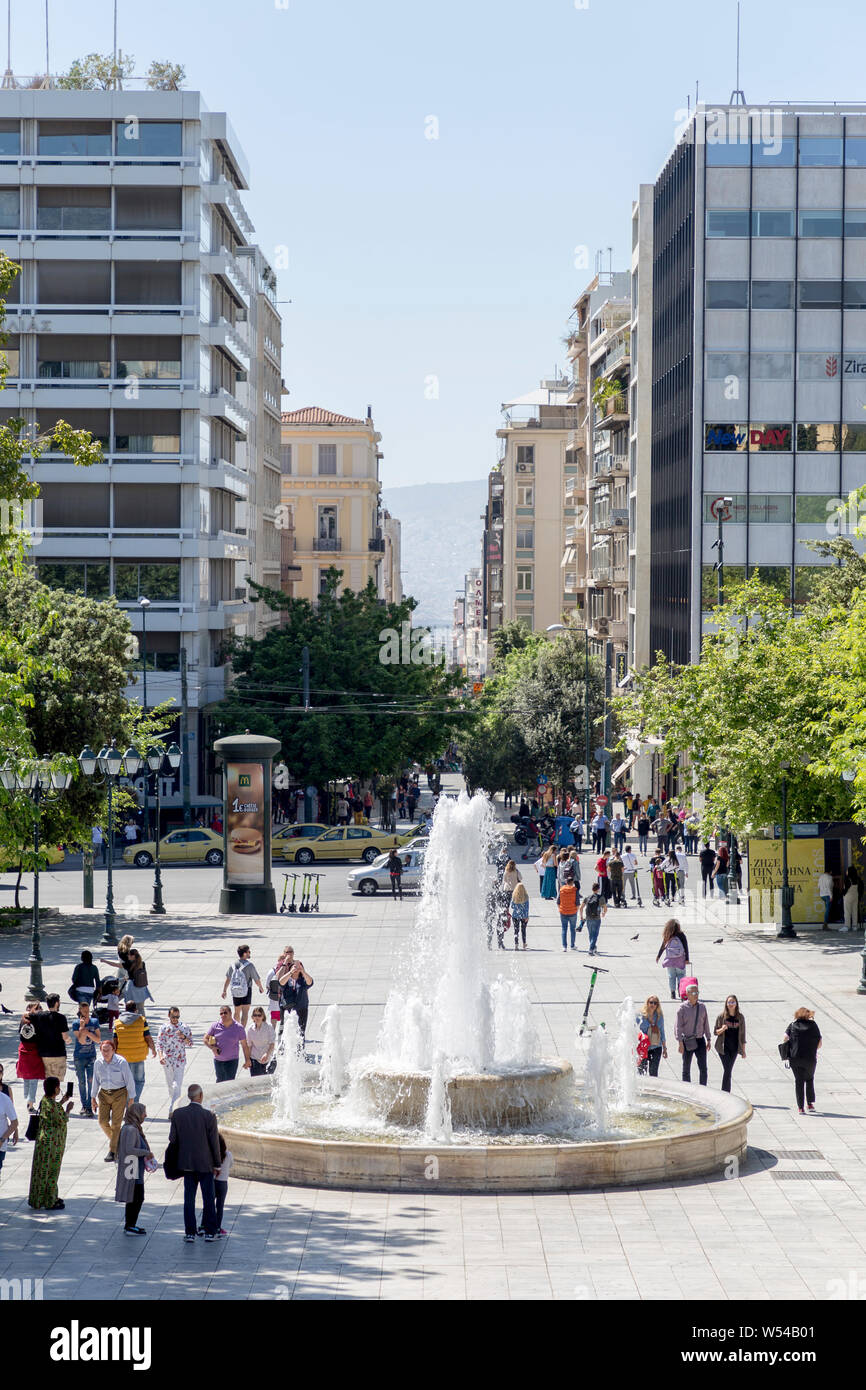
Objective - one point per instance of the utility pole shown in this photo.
(184, 739)
(305, 672)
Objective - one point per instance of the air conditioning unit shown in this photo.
(522, 468)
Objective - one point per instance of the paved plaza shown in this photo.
(791, 1224)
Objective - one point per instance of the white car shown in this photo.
(370, 878)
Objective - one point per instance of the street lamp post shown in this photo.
(155, 758)
(113, 765)
(144, 604)
(37, 781)
(786, 931)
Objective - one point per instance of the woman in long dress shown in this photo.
(548, 882)
(48, 1149)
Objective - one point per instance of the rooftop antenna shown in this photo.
(737, 97)
(115, 41)
(8, 79)
(47, 51)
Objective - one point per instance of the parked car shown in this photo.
(344, 842)
(196, 845)
(9, 857)
(375, 876)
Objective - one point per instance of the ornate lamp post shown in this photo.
(155, 757)
(38, 781)
(112, 765)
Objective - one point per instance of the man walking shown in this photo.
(693, 1035)
(52, 1036)
(629, 871)
(707, 858)
(618, 829)
(592, 909)
(598, 826)
(240, 975)
(112, 1089)
(194, 1131)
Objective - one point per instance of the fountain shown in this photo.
(458, 1079)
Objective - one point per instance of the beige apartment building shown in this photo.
(526, 521)
(330, 488)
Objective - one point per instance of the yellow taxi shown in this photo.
(345, 842)
(9, 857)
(301, 830)
(195, 844)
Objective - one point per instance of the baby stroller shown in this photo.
(110, 986)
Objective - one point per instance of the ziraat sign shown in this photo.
(741, 437)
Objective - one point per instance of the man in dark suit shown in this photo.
(194, 1130)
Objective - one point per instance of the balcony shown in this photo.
(376, 543)
(223, 263)
(614, 519)
(606, 463)
(619, 355)
(326, 543)
(611, 413)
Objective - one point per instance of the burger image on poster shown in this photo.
(245, 832)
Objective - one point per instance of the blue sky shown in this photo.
(452, 258)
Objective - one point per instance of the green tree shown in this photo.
(165, 76)
(511, 636)
(97, 71)
(369, 713)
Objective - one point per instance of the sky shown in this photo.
(432, 278)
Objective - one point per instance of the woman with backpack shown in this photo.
(730, 1034)
(674, 953)
(804, 1038)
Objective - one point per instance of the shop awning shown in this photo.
(623, 767)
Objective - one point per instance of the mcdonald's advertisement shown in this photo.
(805, 863)
(245, 823)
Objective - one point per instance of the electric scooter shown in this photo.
(314, 906)
(596, 971)
(284, 906)
(306, 885)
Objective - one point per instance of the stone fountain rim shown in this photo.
(546, 1067)
(739, 1112)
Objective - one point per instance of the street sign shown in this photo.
(601, 755)
(477, 687)
(601, 801)
(542, 780)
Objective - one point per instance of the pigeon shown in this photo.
(634, 938)
(718, 941)
(5, 1010)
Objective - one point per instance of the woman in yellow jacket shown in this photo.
(133, 1041)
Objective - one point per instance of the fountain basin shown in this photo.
(479, 1100)
(705, 1149)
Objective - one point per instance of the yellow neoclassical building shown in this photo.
(330, 485)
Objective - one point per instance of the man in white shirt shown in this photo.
(8, 1126)
(825, 891)
(629, 872)
(113, 1087)
(617, 826)
(682, 871)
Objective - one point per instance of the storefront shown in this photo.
(814, 848)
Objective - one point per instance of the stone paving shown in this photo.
(791, 1223)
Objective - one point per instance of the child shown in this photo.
(221, 1186)
(107, 1001)
(519, 913)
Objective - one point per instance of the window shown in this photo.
(148, 357)
(814, 509)
(855, 151)
(10, 137)
(734, 153)
(724, 364)
(149, 139)
(333, 835)
(524, 579)
(727, 294)
(778, 577)
(807, 580)
(74, 138)
(71, 505)
(820, 224)
(525, 492)
(286, 458)
(818, 366)
(854, 438)
(163, 652)
(525, 537)
(144, 208)
(772, 366)
(327, 460)
(821, 150)
(757, 507)
(326, 529)
(356, 832)
(772, 222)
(89, 579)
(772, 294)
(73, 282)
(732, 576)
(820, 438)
(855, 222)
(820, 294)
(526, 455)
(147, 431)
(9, 209)
(723, 223)
(855, 294)
(158, 582)
(73, 209)
(147, 506)
(774, 153)
(84, 357)
(147, 282)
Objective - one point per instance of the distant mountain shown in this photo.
(441, 533)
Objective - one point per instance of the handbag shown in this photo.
(169, 1162)
(32, 1128)
(691, 1042)
(785, 1050)
(643, 1046)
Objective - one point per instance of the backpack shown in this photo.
(275, 989)
(675, 953)
(239, 984)
(592, 905)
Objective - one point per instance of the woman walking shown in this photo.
(603, 875)
(643, 830)
(262, 1039)
(30, 1068)
(172, 1043)
(657, 876)
(804, 1039)
(730, 1031)
(671, 866)
(137, 991)
(510, 877)
(395, 872)
(85, 978)
(548, 882)
(48, 1149)
(519, 913)
(674, 953)
(132, 1151)
(652, 1023)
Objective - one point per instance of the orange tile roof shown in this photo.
(315, 415)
